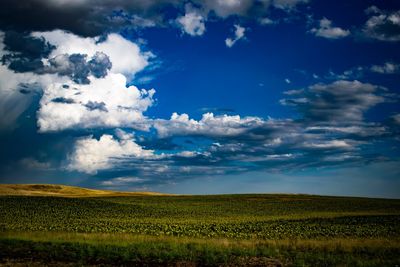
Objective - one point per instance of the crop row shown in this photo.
(169, 216)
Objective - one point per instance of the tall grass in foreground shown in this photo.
(109, 249)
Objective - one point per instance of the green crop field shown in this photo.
(222, 230)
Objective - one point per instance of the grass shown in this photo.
(61, 190)
(117, 249)
(224, 230)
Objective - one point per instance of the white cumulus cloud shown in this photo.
(382, 25)
(386, 68)
(90, 155)
(192, 23)
(209, 125)
(126, 57)
(105, 102)
(326, 30)
(239, 34)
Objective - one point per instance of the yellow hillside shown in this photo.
(61, 190)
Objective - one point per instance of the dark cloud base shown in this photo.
(25, 53)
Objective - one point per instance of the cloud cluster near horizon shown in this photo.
(331, 128)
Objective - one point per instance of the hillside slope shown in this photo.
(61, 190)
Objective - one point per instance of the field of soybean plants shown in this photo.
(217, 230)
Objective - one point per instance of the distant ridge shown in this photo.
(63, 190)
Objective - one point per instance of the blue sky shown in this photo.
(228, 96)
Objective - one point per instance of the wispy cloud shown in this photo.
(327, 30)
(239, 34)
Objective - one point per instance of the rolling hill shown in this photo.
(61, 190)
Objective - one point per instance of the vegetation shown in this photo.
(61, 190)
(260, 230)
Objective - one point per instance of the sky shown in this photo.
(202, 96)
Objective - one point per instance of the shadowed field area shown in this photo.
(217, 230)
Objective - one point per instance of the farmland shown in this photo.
(266, 230)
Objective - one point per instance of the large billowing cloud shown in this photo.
(125, 56)
(91, 155)
(18, 90)
(26, 53)
(105, 102)
(82, 80)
